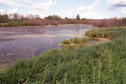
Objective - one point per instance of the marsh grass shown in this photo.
(102, 64)
(74, 42)
(66, 42)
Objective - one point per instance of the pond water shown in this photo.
(24, 42)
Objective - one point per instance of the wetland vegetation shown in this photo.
(62, 41)
(15, 20)
(74, 41)
(100, 64)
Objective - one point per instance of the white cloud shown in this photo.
(91, 14)
(1, 10)
(42, 7)
(123, 10)
(34, 7)
(11, 3)
(117, 4)
(11, 11)
(86, 11)
(96, 2)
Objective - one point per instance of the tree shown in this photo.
(15, 16)
(78, 17)
(53, 17)
(4, 18)
(37, 17)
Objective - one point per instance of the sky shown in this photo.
(91, 9)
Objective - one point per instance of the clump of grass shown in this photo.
(109, 33)
(75, 41)
(66, 42)
(17, 23)
(84, 40)
(102, 64)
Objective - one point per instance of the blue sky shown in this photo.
(66, 8)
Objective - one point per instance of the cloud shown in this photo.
(1, 10)
(32, 7)
(11, 3)
(11, 11)
(95, 3)
(42, 7)
(123, 10)
(86, 11)
(117, 4)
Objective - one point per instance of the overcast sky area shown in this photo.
(95, 9)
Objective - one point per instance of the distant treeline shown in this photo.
(35, 20)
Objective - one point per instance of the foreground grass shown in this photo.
(103, 64)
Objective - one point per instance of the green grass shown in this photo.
(14, 23)
(102, 64)
(75, 41)
(66, 42)
(110, 33)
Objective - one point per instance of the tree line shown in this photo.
(33, 20)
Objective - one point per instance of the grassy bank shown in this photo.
(102, 64)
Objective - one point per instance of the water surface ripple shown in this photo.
(23, 42)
